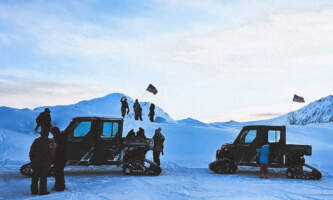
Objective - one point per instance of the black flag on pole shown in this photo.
(152, 89)
(298, 99)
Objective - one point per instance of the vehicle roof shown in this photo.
(94, 118)
(263, 126)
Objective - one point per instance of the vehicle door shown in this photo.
(81, 140)
(274, 142)
(247, 145)
(109, 141)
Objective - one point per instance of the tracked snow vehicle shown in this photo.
(242, 152)
(99, 141)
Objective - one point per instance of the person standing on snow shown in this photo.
(151, 112)
(136, 108)
(263, 160)
(140, 153)
(44, 121)
(41, 158)
(60, 159)
(158, 145)
(124, 106)
(140, 113)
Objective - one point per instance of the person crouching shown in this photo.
(41, 158)
(263, 160)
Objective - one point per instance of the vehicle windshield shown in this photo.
(248, 136)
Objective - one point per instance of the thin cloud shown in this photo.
(37, 93)
(265, 115)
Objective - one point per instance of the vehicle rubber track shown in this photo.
(298, 173)
(26, 170)
(146, 168)
(224, 166)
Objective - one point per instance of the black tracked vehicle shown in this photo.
(99, 141)
(242, 152)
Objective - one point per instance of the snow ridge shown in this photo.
(320, 111)
(23, 120)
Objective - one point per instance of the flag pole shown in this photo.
(144, 92)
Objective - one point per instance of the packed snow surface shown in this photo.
(189, 147)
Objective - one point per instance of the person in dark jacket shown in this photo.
(60, 159)
(41, 158)
(141, 134)
(151, 112)
(263, 160)
(136, 106)
(140, 113)
(124, 106)
(158, 145)
(130, 135)
(44, 121)
(140, 153)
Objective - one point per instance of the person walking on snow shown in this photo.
(158, 145)
(124, 106)
(263, 160)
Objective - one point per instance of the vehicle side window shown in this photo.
(274, 136)
(115, 128)
(251, 135)
(248, 136)
(110, 129)
(82, 129)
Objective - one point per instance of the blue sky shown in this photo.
(211, 60)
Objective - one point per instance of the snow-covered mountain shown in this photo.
(23, 120)
(320, 111)
(192, 122)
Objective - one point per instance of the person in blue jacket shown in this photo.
(263, 160)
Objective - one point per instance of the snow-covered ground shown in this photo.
(189, 147)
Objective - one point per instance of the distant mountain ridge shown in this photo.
(108, 106)
(23, 120)
(192, 122)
